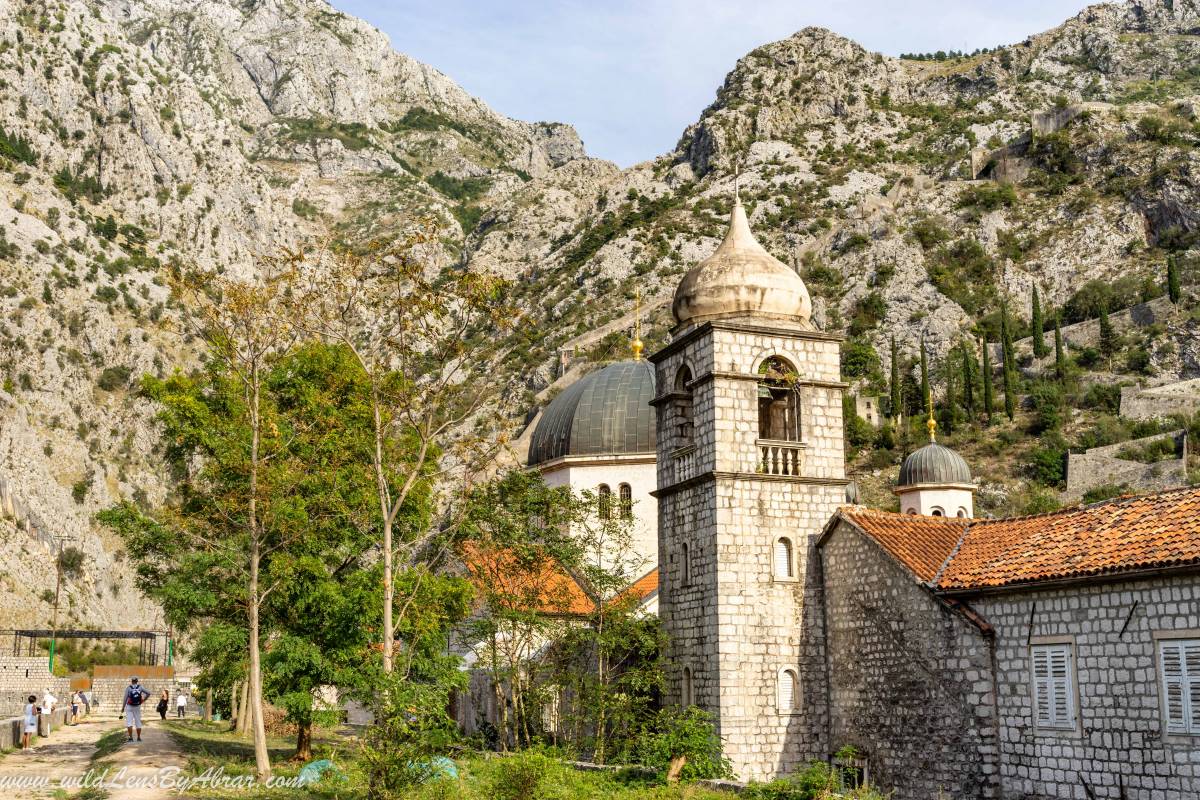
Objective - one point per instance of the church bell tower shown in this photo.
(750, 467)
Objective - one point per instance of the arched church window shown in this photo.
(962, 512)
(783, 558)
(626, 502)
(778, 401)
(687, 694)
(937, 512)
(787, 690)
(604, 501)
(685, 565)
(683, 405)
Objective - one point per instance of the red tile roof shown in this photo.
(645, 586)
(530, 583)
(1122, 535)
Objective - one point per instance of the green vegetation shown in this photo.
(352, 135)
(463, 189)
(613, 224)
(75, 185)
(14, 147)
(114, 378)
(965, 273)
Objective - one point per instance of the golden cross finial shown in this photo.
(637, 324)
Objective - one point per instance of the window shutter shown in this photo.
(783, 558)
(1181, 685)
(787, 690)
(1053, 686)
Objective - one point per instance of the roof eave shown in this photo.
(1092, 578)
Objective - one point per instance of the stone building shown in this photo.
(1048, 656)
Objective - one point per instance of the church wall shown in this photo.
(910, 681)
(1119, 748)
(735, 625)
(641, 478)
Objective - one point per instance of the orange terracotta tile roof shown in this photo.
(1116, 536)
(922, 544)
(645, 586)
(534, 583)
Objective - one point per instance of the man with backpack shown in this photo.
(131, 707)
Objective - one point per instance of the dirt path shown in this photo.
(133, 771)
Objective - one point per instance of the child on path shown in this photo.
(31, 721)
(163, 704)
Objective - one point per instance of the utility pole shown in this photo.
(57, 590)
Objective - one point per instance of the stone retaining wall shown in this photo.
(1101, 466)
(1182, 397)
(21, 676)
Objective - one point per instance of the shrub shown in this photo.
(868, 311)
(17, 148)
(1047, 463)
(859, 360)
(1047, 402)
(1104, 492)
(70, 561)
(965, 273)
(929, 234)
(80, 489)
(463, 189)
(113, 378)
(1138, 360)
(524, 776)
(988, 197)
(1102, 397)
(689, 734)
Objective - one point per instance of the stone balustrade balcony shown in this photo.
(779, 457)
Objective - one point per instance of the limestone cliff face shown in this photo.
(209, 132)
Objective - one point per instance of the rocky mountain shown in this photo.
(911, 194)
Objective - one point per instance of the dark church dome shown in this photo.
(934, 463)
(605, 413)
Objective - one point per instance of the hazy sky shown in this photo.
(630, 75)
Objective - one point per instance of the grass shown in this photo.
(209, 746)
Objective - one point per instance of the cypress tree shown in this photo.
(968, 379)
(1010, 364)
(1108, 337)
(1173, 279)
(1010, 392)
(895, 387)
(988, 394)
(1039, 339)
(1006, 342)
(924, 374)
(949, 409)
(1060, 361)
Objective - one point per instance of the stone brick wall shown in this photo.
(731, 622)
(1120, 749)
(21, 676)
(1101, 465)
(1182, 397)
(910, 681)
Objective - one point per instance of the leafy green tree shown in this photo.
(894, 387)
(989, 400)
(1173, 288)
(1039, 339)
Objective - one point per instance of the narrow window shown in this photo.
(626, 501)
(1053, 686)
(937, 512)
(688, 697)
(605, 501)
(783, 558)
(787, 691)
(685, 565)
(683, 405)
(962, 513)
(1181, 685)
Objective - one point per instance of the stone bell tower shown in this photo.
(750, 468)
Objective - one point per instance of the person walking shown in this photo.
(48, 701)
(180, 704)
(131, 707)
(74, 707)
(164, 702)
(30, 727)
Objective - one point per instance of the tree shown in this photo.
(896, 396)
(1039, 340)
(949, 415)
(989, 403)
(968, 380)
(1060, 361)
(924, 373)
(1110, 343)
(411, 328)
(1010, 364)
(1173, 289)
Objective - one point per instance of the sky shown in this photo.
(630, 75)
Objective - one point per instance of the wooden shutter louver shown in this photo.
(1181, 685)
(783, 558)
(1054, 696)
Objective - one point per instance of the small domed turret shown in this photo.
(936, 481)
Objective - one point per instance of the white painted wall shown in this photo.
(640, 473)
(931, 499)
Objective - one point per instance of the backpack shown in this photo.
(137, 697)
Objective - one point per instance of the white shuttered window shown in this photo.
(783, 558)
(1053, 686)
(1181, 684)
